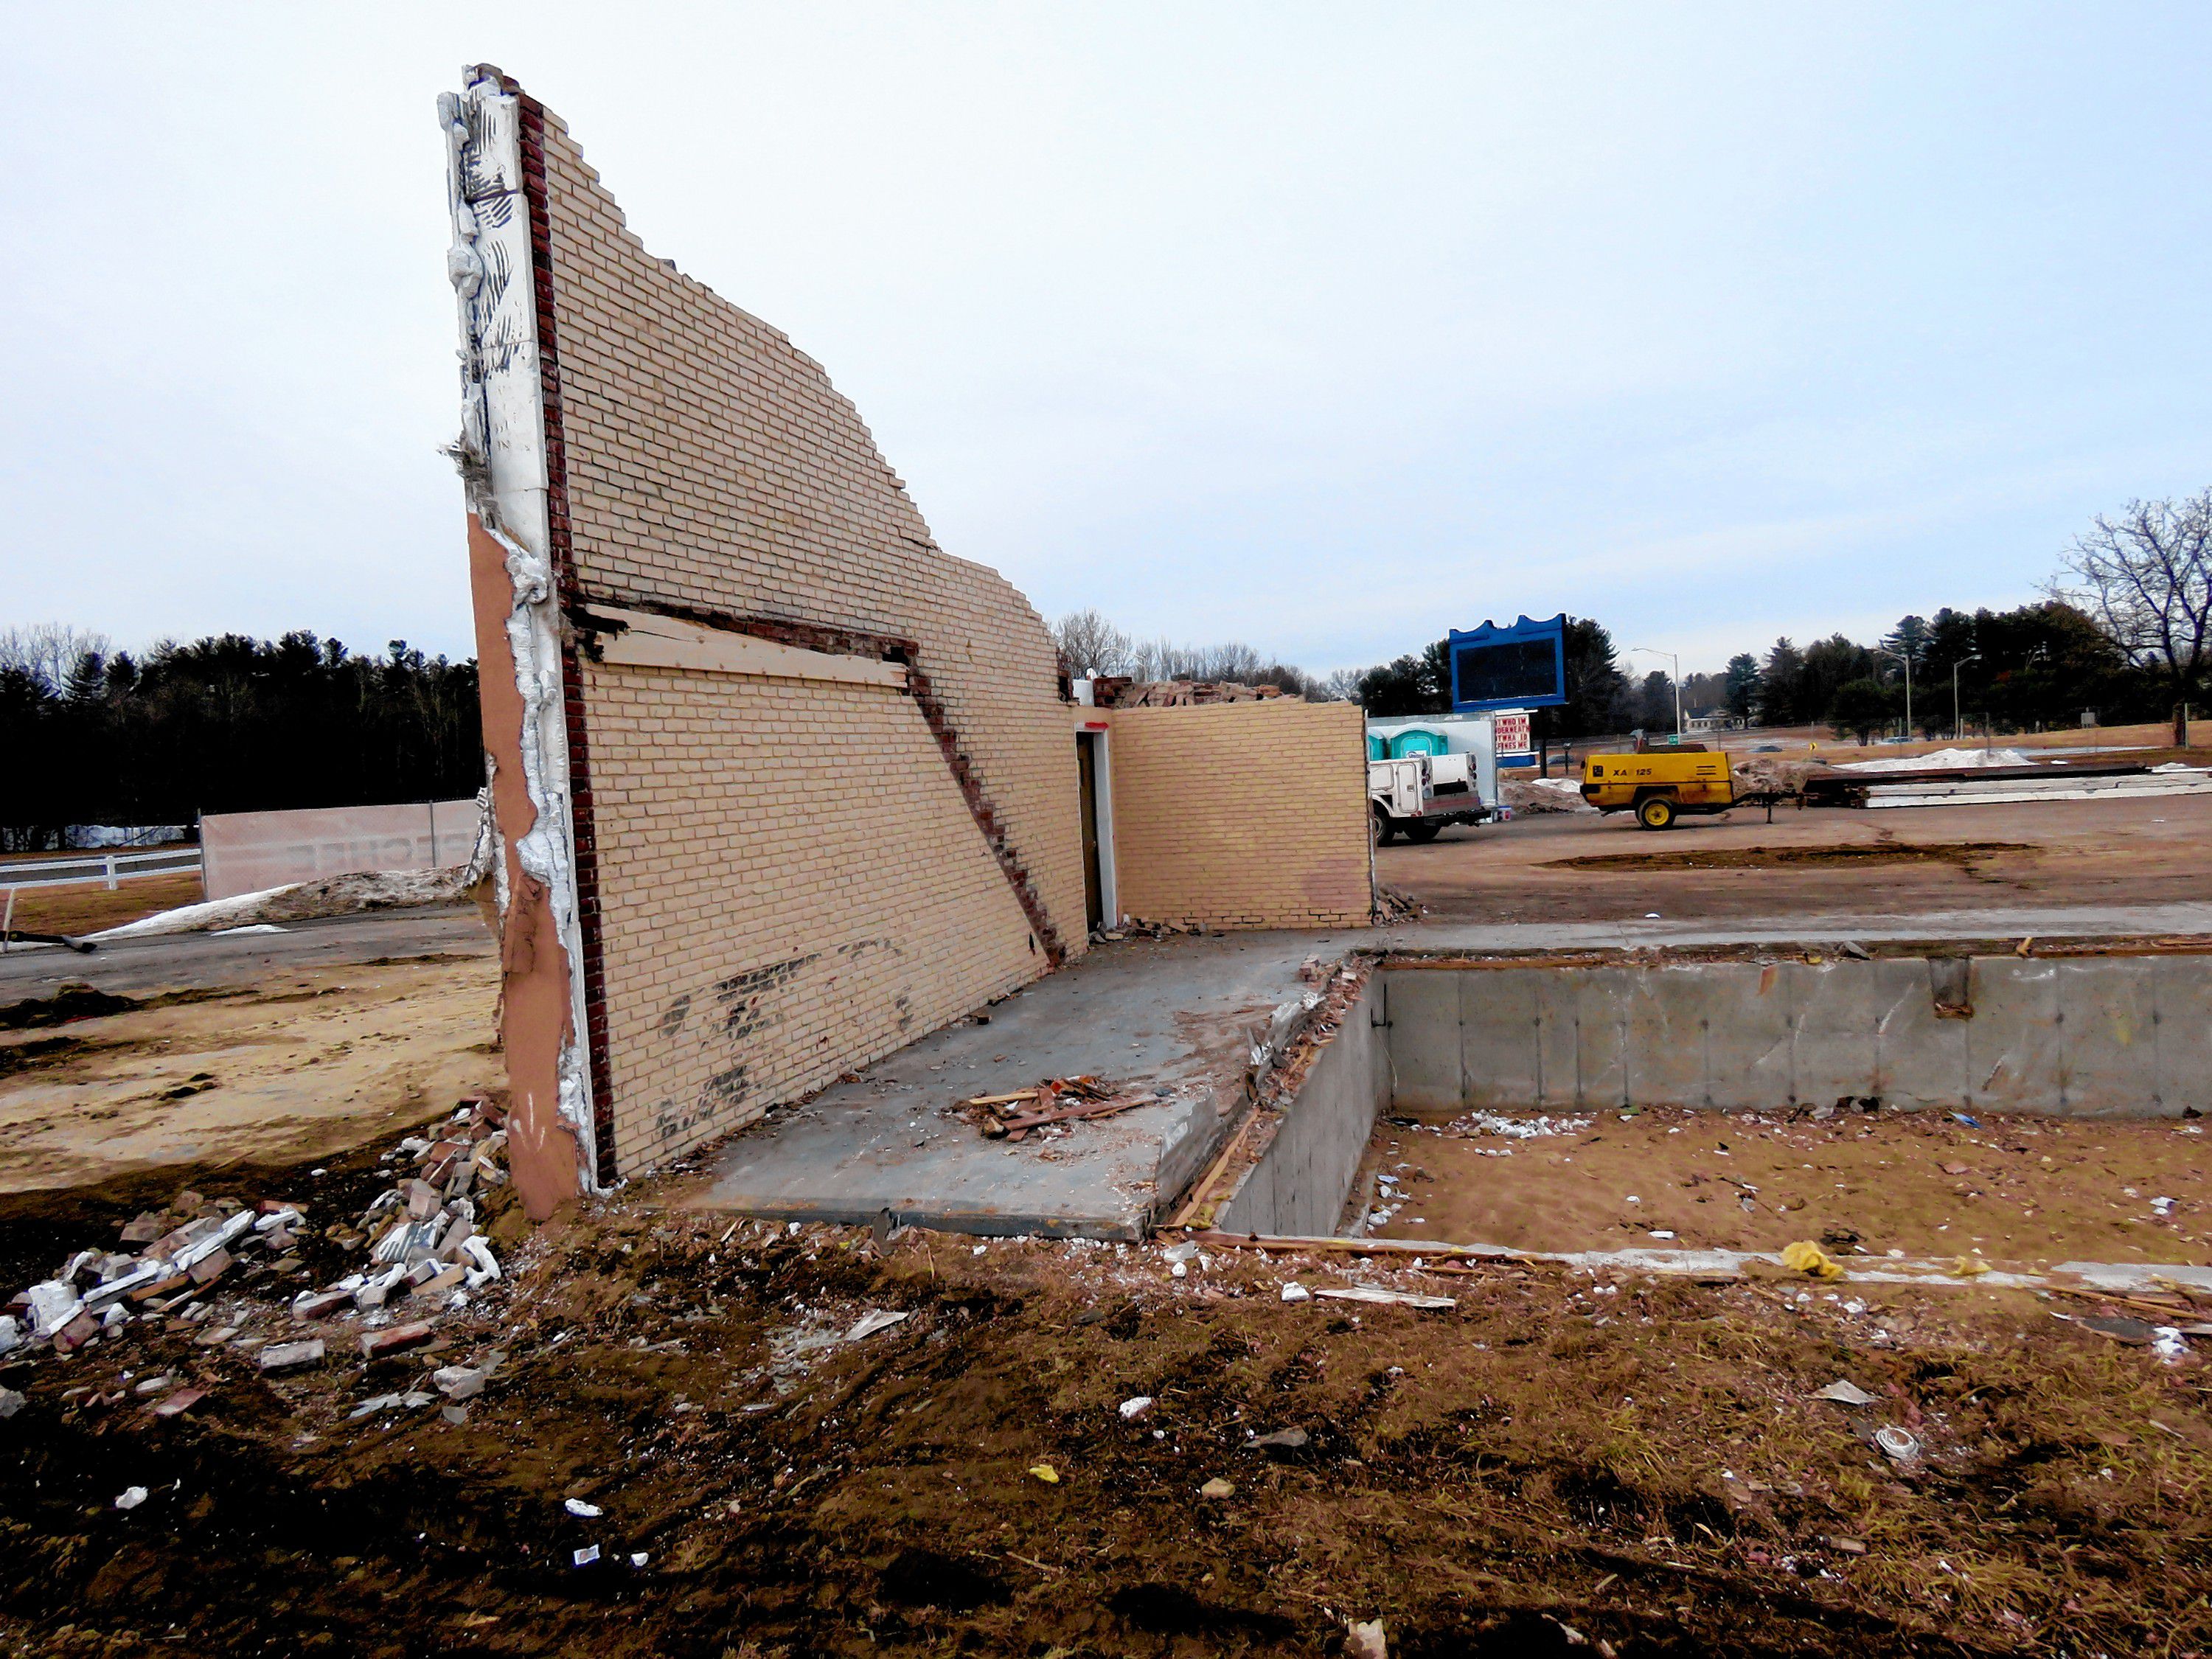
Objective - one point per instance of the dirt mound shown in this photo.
(332, 896)
(1529, 796)
(1852, 855)
(1775, 774)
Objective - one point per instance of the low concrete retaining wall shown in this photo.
(1298, 1183)
(2089, 1036)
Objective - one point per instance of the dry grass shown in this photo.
(89, 906)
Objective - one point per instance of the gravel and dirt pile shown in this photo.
(697, 1437)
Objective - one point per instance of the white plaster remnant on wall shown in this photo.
(501, 456)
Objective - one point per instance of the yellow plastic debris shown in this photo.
(1968, 1266)
(1807, 1257)
(1046, 1473)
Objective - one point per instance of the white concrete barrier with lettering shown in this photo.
(248, 852)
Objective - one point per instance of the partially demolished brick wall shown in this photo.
(1243, 814)
(821, 790)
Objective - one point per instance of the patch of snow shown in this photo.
(1942, 759)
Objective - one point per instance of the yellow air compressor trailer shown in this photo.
(1659, 785)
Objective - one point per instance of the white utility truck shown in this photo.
(1417, 795)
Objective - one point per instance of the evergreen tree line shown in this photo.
(226, 724)
(2040, 665)
(2122, 632)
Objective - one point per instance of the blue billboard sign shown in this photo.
(1523, 667)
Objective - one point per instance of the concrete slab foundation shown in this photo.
(2121, 1033)
(1176, 1015)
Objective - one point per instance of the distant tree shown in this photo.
(1090, 645)
(1950, 640)
(1407, 685)
(224, 723)
(2146, 578)
(1655, 701)
(2042, 665)
(1829, 664)
(1702, 693)
(1597, 691)
(52, 652)
(1777, 683)
(1859, 706)
(1909, 638)
(1742, 680)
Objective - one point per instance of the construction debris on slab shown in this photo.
(1049, 1106)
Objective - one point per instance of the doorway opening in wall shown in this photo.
(1096, 808)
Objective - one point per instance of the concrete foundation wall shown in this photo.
(1243, 815)
(829, 802)
(2095, 1036)
(1298, 1183)
(2119, 1036)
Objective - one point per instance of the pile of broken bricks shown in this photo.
(425, 1259)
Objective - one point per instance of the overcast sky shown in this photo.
(1324, 327)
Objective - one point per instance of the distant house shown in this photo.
(1713, 719)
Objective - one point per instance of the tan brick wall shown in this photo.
(793, 885)
(1241, 815)
(743, 825)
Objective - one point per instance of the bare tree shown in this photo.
(2147, 578)
(50, 652)
(1090, 645)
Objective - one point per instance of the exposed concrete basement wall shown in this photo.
(813, 776)
(1298, 1184)
(1243, 814)
(2117, 1035)
(2103, 1036)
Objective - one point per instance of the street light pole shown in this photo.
(1676, 659)
(1900, 656)
(1955, 667)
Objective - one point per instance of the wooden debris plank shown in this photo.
(1103, 1109)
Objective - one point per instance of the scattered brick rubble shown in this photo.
(233, 1269)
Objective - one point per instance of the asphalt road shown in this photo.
(177, 961)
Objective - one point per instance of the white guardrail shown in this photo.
(110, 868)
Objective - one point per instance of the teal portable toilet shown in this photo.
(1417, 742)
(1376, 749)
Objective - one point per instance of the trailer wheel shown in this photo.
(1655, 812)
(1379, 831)
(1421, 833)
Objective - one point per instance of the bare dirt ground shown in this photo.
(299, 1065)
(1541, 868)
(2016, 1191)
(1554, 1464)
